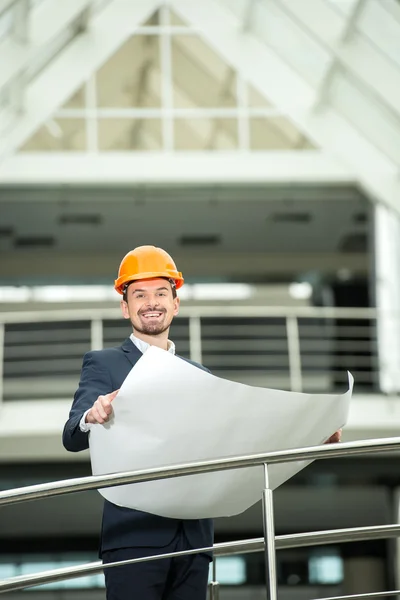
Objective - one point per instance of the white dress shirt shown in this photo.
(140, 345)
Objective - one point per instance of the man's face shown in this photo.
(150, 306)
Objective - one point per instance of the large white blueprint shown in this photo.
(170, 412)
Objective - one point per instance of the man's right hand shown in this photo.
(101, 409)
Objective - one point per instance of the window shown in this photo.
(325, 568)
(231, 570)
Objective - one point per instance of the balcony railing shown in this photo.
(269, 544)
(292, 348)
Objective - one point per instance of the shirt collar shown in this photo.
(143, 346)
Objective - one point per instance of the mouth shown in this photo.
(149, 316)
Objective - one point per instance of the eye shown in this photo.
(162, 294)
(139, 296)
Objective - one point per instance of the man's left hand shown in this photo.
(336, 437)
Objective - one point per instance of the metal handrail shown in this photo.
(299, 337)
(282, 542)
(363, 596)
(317, 452)
(81, 484)
(218, 310)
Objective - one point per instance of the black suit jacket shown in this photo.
(104, 371)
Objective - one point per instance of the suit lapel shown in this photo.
(131, 352)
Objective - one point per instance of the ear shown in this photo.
(124, 309)
(177, 302)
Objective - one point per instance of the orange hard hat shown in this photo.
(147, 262)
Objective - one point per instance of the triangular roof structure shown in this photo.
(226, 75)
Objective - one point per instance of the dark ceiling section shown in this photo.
(292, 217)
(200, 240)
(354, 242)
(80, 219)
(231, 229)
(34, 242)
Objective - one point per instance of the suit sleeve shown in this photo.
(95, 381)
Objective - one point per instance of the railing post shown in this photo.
(269, 539)
(2, 339)
(214, 585)
(292, 329)
(195, 339)
(395, 543)
(96, 334)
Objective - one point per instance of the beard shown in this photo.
(150, 328)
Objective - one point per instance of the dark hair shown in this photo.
(171, 281)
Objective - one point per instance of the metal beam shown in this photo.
(247, 17)
(286, 89)
(47, 21)
(344, 37)
(75, 64)
(20, 35)
(5, 5)
(192, 167)
(20, 21)
(367, 82)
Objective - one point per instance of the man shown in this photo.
(148, 280)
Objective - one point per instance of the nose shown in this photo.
(152, 302)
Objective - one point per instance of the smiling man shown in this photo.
(148, 281)
(151, 305)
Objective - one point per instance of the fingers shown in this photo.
(338, 435)
(335, 438)
(101, 409)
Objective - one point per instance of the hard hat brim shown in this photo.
(121, 282)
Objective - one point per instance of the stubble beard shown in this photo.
(150, 328)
